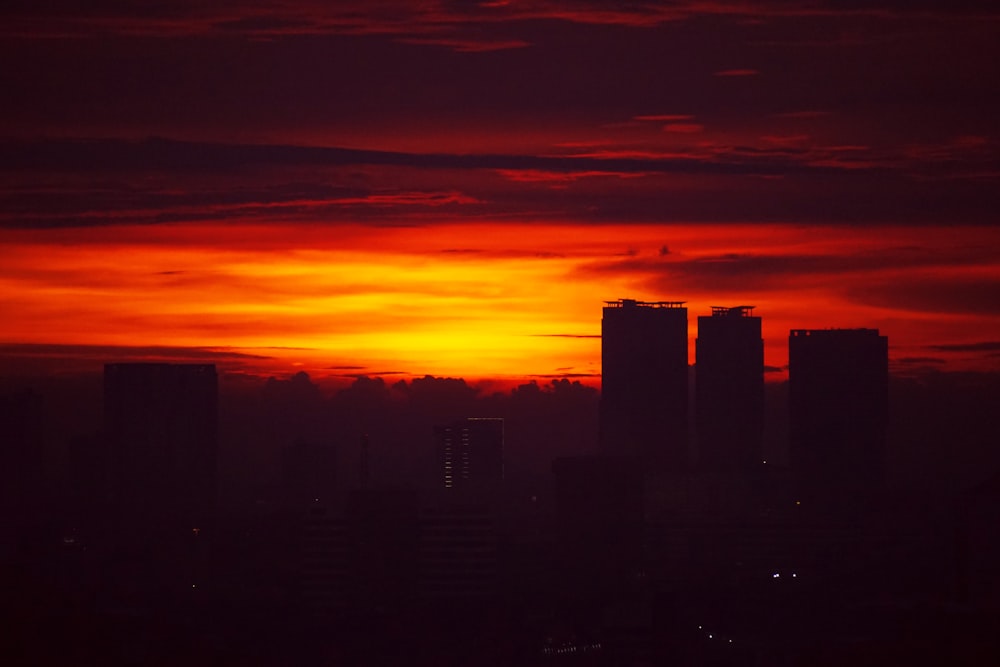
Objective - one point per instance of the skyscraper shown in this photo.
(470, 453)
(838, 401)
(729, 389)
(644, 382)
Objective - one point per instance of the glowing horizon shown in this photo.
(480, 301)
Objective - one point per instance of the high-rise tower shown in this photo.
(729, 389)
(644, 382)
(838, 401)
(470, 453)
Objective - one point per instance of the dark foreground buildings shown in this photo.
(839, 402)
(644, 382)
(729, 395)
(161, 429)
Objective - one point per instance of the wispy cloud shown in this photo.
(453, 25)
(737, 72)
(154, 181)
(983, 346)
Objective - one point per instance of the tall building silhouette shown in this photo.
(644, 382)
(22, 419)
(729, 389)
(363, 556)
(161, 425)
(470, 453)
(838, 402)
(459, 554)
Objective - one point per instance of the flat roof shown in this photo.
(633, 303)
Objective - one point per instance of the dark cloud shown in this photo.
(402, 16)
(66, 183)
(557, 335)
(115, 352)
(467, 45)
(738, 271)
(41, 360)
(163, 154)
(962, 294)
(984, 346)
(737, 72)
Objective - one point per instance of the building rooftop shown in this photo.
(861, 331)
(633, 303)
(732, 311)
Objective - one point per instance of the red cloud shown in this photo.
(467, 45)
(737, 72)
(666, 117)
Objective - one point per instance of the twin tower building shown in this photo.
(838, 394)
(645, 395)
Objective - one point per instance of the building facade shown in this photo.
(470, 453)
(729, 389)
(644, 382)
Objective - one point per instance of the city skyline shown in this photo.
(381, 517)
(421, 188)
(502, 332)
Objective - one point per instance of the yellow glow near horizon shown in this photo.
(476, 300)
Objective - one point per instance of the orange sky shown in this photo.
(481, 300)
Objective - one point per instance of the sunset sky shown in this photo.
(404, 188)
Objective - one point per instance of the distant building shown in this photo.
(161, 424)
(327, 542)
(458, 554)
(363, 557)
(308, 473)
(838, 402)
(22, 417)
(599, 511)
(470, 453)
(729, 389)
(644, 382)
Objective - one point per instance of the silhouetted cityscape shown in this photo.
(676, 518)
